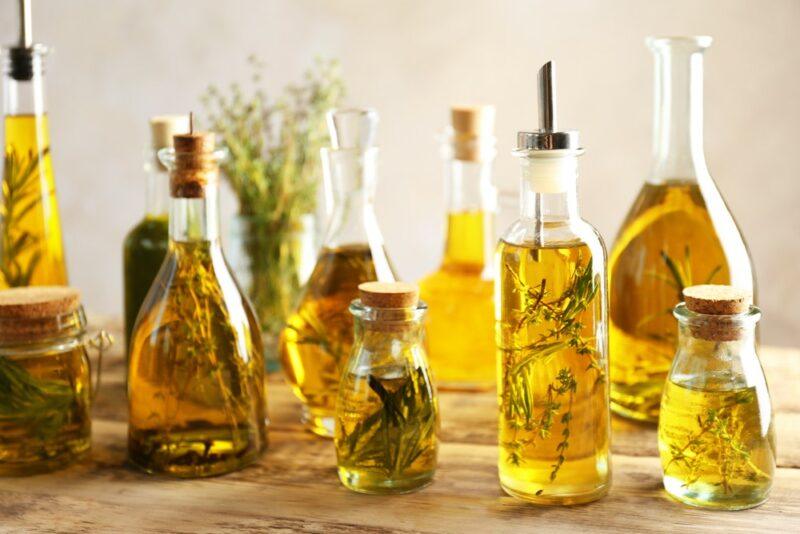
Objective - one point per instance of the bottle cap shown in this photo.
(712, 299)
(352, 128)
(390, 295)
(32, 314)
(164, 127)
(194, 162)
(473, 128)
(548, 137)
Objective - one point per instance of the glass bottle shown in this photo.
(318, 336)
(550, 320)
(196, 366)
(145, 245)
(715, 432)
(460, 292)
(678, 232)
(31, 251)
(386, 412)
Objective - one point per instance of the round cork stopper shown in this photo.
(472, 131)
(38, 302)
(196, 164)
(195, 142)
(164, 127)
(389, 295)
(717, 299)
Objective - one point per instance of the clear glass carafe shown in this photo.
(386, 413)
(316, 342)
(460, 293)
(196, 367)
(715, 431)
(678, 232)
(550, 321)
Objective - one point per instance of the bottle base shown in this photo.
(708, 496)
(320, 422)
(76, 451)
(565, 499)
(363, 481)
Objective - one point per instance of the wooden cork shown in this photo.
(196, 164)
(28, 314)
(389, 295)
(722, 305)
(473, 126)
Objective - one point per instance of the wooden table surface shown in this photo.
(295, 488)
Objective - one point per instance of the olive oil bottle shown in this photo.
(550, 321)
(31, 251)
(317, 339)
(678, 232)
(145, 245)
(460, 293)
(196, 365)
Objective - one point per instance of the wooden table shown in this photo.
(294, 487)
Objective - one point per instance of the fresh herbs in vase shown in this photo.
(273, 169)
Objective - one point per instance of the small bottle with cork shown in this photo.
(196, 367)
(715, 431)
(386, 412)
(460, 293)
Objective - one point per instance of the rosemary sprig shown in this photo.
(563, 315)
(21, 194)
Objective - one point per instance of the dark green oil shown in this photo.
(143, 253)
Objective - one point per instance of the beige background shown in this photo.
(119, 61)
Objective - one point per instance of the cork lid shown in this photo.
(164, 127)
(29, 314)
(195, 164)
(389, 295)
(473, 128)
(717, 299)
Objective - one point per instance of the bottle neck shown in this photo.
(24, 95)
(678, 120)
(549, 186)
(350, 178)
(156, 187)
(195, 219)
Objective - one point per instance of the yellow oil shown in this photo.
(386, 428)
(717, 445)
(666, 243)
(44, 410)
(31, 251)
(316, 343)
(196, 370)
(461, 309)
(553, 392)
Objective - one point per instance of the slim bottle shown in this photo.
(145, 245)
(678, 233)
(316, 342)
(31, 251)
(550, 321)
(715, 431)
(196, 366)
(386, 414)
(459, 293)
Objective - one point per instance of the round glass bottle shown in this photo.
(386, 411)
(715, 431)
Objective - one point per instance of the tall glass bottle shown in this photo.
(316, 342)
(31, 251)
(145, 245)
(196, 366)
(551, 328)
(678, 232)
(459, 293)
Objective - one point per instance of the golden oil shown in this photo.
(316, 342)
(31, 250)
(459, 295)
(554, 425)
(717, 444)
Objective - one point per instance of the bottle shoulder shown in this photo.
(561, 234)
(148, 233)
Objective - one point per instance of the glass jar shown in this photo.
(386, 412)
(45, 379)
(715, 435)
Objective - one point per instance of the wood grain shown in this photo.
(294, 487)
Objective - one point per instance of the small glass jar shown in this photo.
(387, 424)
(45, 379)
(715, 432)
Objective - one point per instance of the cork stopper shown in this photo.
(36, 312)
(389, 295)
(722, 304)
(164, 127)
(473, 128)
(196, 163)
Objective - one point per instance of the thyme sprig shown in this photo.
(562, 313)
